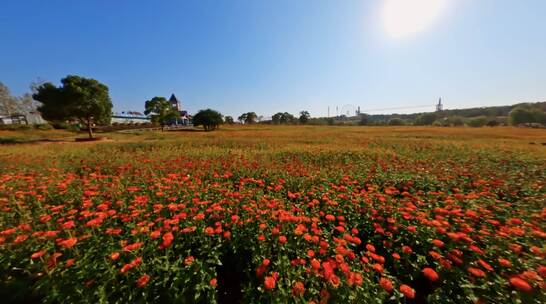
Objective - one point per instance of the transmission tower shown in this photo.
(439, 106)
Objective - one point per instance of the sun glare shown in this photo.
(403, 18)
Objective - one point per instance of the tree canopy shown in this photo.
(248, 118)
(229, 120)
(209, 119)
(83, 99)
(283, 118)
(304, 117)
(527, 114)
(161, 110)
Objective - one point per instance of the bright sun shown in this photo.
(403, 18)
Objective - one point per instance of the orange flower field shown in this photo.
(277, 215)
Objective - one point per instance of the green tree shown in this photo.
(283, 118)
(161, 110)
(364, 119)
(242, 118)
(251, 118)
(526, 113)
(478, 122)
(83, 99)
(304, 117)
(248, 118)
(426, 119)
(209, 119)
(396, 122)
(455, 121)
(276, 118)
(229, 120)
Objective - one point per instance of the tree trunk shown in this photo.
(89, 129)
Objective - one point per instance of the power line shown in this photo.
(397, 108)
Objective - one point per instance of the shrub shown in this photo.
(477, 122)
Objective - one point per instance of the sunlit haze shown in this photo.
(403, 18)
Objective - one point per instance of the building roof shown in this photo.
(173, 99)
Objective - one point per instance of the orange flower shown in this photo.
(155, 234)
(407, 291)
(520, 284)
(438, 243)
(209, 230)
(476, 272)
(167, 240)
(315, 264)
(213, 282)
(143, 280)
(298, 289)
(269, 283)
(38, 254)
(188, 260)
(430, 274)
(114, 256)
(282, 239)
(386, 284)
(68, 243)
(132, 247)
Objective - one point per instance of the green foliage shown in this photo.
(248, 118)
(83, 99)
(396, 122)
(527, 114)
(209, 119)
(364, 120)
(478, 122)
(229, 120)
(426, 119)
(161, 110)
(442, 122)
(455, 121)
(304, 117)
(492, 123)
(283, 118)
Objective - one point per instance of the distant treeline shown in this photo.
(530, 114)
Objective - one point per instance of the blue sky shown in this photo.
(270, 56)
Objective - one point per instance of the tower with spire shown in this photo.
(175, 103)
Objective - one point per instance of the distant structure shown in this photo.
(130, 117)
(439, 106)
(29, 118)
(177, 105)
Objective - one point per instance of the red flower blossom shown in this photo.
(407, 291)
(167, 240)
(386, 284)
(38, 254)
(143, 280)
(298, 289)
(269, 283)
(431, 274)
(68, 243)
(114, 256)
(520, 284)
(188, 260)
(476, 272)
